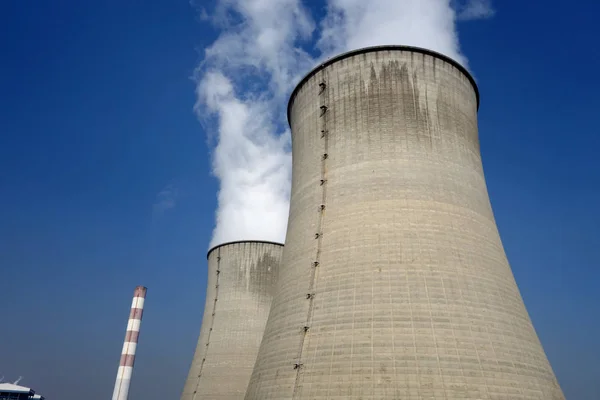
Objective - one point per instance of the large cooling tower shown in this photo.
(241, 277)
(394, 283)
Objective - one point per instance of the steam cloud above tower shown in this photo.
(263, 49)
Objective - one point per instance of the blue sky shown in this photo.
(96, 122)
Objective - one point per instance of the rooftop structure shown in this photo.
(11, 391)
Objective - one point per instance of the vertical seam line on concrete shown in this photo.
(422, 260)
(446, 301)
(484, 377)
(319, 237)
(410, 306)
(433, 330)
(378, 110)
(333, 345)
(339, 93)
(372, 333)
(212, 322)
(373, 110)
(389, 278)
(462, 299)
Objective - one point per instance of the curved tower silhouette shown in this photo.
(394, 283)
(241, 277)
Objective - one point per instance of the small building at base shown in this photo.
(10, 391)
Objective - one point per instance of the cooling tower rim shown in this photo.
(372, 49)
(242, 241)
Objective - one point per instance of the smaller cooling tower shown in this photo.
(241, 277)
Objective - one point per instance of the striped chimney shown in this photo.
(131, 339)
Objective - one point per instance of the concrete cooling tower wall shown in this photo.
(241, 277)
(394, 283)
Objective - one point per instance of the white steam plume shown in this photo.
(263, 49)
(242, 82)
(352, 24)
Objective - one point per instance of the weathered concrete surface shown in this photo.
(241, 278)
(394, 283)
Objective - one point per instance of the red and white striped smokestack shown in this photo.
(131, 339)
